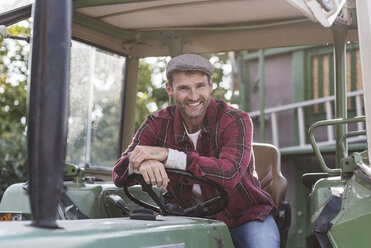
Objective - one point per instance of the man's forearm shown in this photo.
(143, 153)
(171, 158)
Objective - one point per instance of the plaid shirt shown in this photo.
(223, 155)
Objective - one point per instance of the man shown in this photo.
(210, 139)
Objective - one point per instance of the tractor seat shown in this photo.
(268, 167)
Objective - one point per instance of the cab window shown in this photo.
(96, 84)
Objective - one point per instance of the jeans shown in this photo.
(256, 234)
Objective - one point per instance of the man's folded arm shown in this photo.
(144, 136)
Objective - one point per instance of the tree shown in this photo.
(150, 97)
(13, 95)
(221, 75)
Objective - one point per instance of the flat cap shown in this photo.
(189, 62)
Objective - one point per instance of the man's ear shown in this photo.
(169, 90)
(211, 85)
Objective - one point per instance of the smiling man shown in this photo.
(210, 139)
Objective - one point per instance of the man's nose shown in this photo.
(193, 94)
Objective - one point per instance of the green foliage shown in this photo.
(219, 91)
(12, 158)
(13, 95)
(105, 134)
(150, 97)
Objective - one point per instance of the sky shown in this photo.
(8, 5)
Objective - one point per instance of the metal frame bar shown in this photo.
(48, 108)
(129, 99)
(363, 23)
(301, 126)
(343, 148)
(16, 15)
(299, 107)
(303, 104)
(261, 96)
(339, 34)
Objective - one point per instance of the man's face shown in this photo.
(191, 93)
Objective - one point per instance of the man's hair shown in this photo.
(170, 77)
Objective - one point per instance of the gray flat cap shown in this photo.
(189, 62)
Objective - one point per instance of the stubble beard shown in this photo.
(182, 107)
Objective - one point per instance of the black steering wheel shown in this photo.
(201, 209)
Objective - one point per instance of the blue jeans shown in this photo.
(256, 234)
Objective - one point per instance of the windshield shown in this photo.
(95, 101)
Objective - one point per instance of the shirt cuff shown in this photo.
(176, 160)
(130, 171)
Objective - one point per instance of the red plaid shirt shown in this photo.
(223, 155)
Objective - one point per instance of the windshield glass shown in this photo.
(95, 99)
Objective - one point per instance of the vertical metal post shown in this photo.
(339, 35)
(175, 47)
(129, 99)
(330, 129)
(48, 108)
(261, 96)
(274, 124)
(243, 83)
(301, 126)
(359, 112)
(364, 32)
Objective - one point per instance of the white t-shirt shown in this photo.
(178, 160)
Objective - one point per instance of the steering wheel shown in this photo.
(199, 210)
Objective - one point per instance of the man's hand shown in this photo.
(154, 173)
(142, 153)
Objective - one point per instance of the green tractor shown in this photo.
(66, 205)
